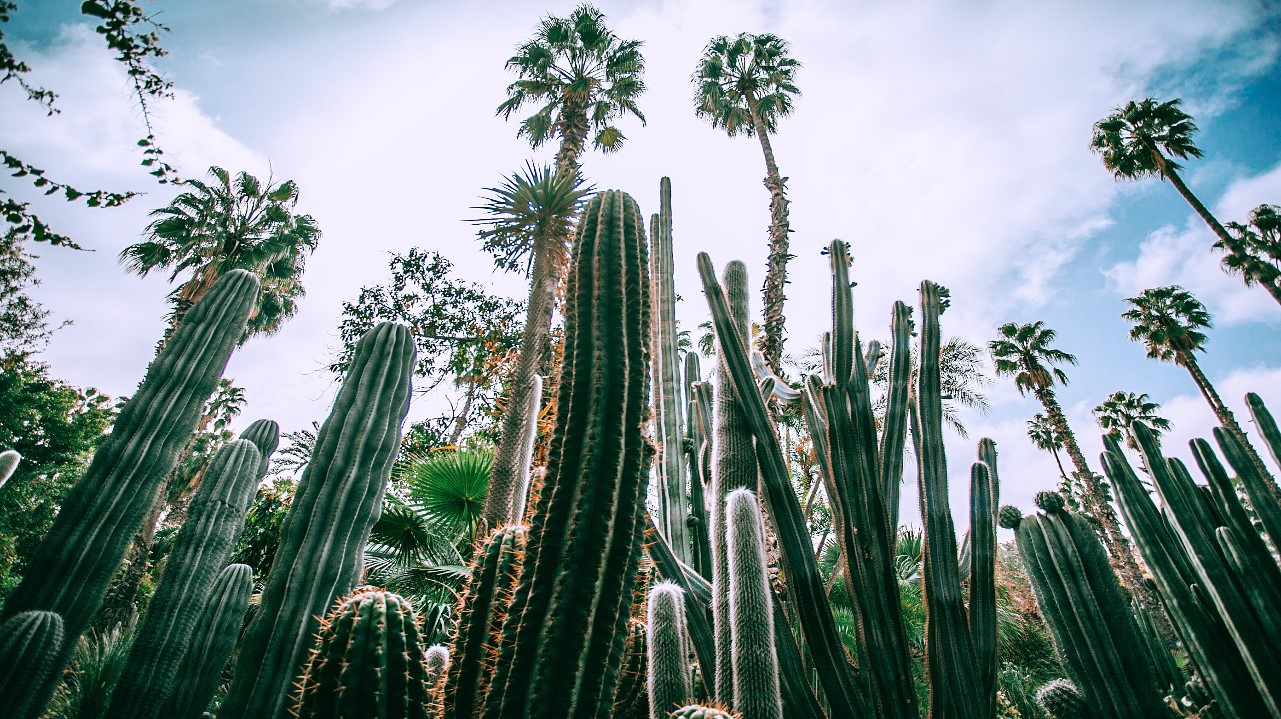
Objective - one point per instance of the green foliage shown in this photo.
(24, 323)
(1168, 321)
(1024, 352)
(448, 489)
(1118, 413)
(1138, 139)
(1256, 253)
(745, 80)
(261, 536)
(55, 427)
(529, 208)
(96, 665)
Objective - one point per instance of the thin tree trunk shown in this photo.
(779, 229)
(1226, 418)
(460, 425)
(1124, 563)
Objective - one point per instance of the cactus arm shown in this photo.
(526, 454)
(804, 578)
(1268, 428)
(265, 434)
(1258, 487)
(70, 570)
(755, 659)
(319, 558)
(894, 433)
(1231, 511)
(674, 500)
(201, 670)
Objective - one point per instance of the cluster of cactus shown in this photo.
(370, 661)
(1212, 566)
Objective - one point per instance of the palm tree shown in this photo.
(528, 218)
(961, 375)
(1044, 436)
(1256, 255)
(745, 84)
(1118, 413)
(224, 225)
(1024, 352)
(1168, 321)
(1142, 139)
(583, 76)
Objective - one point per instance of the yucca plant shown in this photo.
(96, 666)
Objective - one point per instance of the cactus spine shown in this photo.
(201, 671)
(200, 551)
(564, 633)
(667, 643)
(338, 500)
(1093, 630)
(8, 463)
(755, 660)
(733, 466)
(30, 643)
(1062, 700)
(481, 611)
(673, 500)
(70, 570)
(370, 662)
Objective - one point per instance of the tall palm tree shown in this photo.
(745, 84)
(1168, 321)
(227, 224)
(1256, 255)
(1117, 414)
(583, 76)
(1024, 352)
(1044, 436)
(1143, 139)
(528, 220)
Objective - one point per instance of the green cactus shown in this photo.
(8, 463)
(733, 459)
(1062, 700)
(71, 569)
(337, 502)
(698, 458)
(673, 500)
(201, 671)
(482, 607)
(265, 434)
(754, 657)
(1089, 618)
(437, 663)
(370, 662)
(563, 638)
(173, 616)
(30, 643)
(1206, 637)
(631, 699)
(984, 492)
(700, 711)
(667, 644)
(530, 435)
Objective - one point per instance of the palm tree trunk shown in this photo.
(506, 486)
(1226, 418)
(460, 424)
(1124, 563)
(1232, 245)
(573, 136)
(779, 229)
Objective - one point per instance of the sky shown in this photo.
(946, 141)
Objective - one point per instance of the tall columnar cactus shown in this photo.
(733, 465)
(1093, 630)
(201, 671)
(529, 436)
(668, 407)
(984, 492)
(482, 607)
(370, 662)
(1227, 623)
(667, 643)
(71, 569)
(338, 500)
(265, 434)
(173, 616)
(698, 427)
(564, 634)
(30, 643)
(8, 463)
(755, 660)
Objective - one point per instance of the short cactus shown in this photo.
(1062, 700)
(667, 644)
(201, 671)
(700, 711)
(30, 643)
(370, 662)
(437, 663)
(1009, 516)
(1050, 502)
(754, 658)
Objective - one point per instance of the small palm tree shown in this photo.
(224, 225)
(1143, 139)
(1256, 254)
(583, 76)
(1118, 413)
(1169, 322)
(1044, 436)
(1025, 353)
(744, 85)
(528, 218)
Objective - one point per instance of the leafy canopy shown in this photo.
(1256, 254)
(744, 72)
(1118, 413)
(1024, 352)
(577, 71)
(1139, 139)
(533, 207)
(1168, 321)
